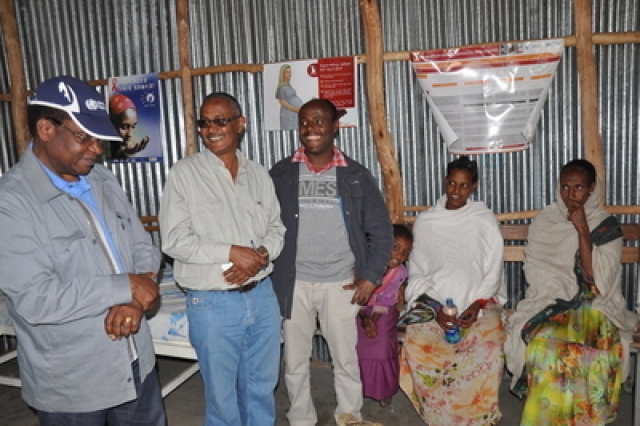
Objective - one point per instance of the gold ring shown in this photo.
(127, 320)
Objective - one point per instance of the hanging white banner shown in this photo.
(488, 99)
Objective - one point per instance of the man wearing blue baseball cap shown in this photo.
(77, 268)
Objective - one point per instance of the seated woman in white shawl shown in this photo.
(567, 340)
(457, 254)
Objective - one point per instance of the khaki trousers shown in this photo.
(332, 306)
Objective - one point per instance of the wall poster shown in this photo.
(488, 98)
(135, 110)
(288, 85)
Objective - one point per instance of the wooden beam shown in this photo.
(616, 38)
(513, 254)
(569, 41)
(185, 76)
(630, 209)
(514, 232)
(525, 214)
(589, 90)
(528, 214)
(215, 69)
(17, 80)
(631, 231)
(377, 113)
(501, 217)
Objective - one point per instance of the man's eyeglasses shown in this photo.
(84, 138)
(205, 123)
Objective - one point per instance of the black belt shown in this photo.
(245, 288)
(238, 289)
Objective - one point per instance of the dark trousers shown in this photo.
(146, 410)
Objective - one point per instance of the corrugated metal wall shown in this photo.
(102, 38)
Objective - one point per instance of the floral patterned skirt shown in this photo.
(455, 384)
(574, 370)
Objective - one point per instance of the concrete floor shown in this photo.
(185, 406)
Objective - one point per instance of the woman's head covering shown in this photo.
(557, 234)
(119, 103)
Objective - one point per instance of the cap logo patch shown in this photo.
(68, 93)
(93, 104)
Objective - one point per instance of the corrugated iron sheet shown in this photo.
(103, 38)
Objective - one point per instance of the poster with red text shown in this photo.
(288, 85)
(488, 98)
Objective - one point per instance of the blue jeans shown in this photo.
(237, 340)
(146, 410)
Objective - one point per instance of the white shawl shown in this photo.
(456, 254)
(548, 267)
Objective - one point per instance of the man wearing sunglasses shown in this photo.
(220, 221)
(77, 267)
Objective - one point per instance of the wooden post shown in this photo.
(589, 90)
(185, 76)
(17, 80)
(377, 113)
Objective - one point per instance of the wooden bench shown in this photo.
(150, 223)
(515, 237)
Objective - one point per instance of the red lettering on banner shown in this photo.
(336, 81)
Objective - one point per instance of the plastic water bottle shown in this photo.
(451, 335)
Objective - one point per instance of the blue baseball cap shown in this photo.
(84, 104)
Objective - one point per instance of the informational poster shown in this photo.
(135, 110)
(488, 98)
(288, 85)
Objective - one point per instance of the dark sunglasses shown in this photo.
(205, 123)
